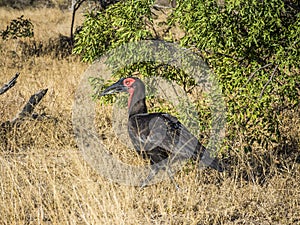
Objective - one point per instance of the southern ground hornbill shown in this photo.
(159, 137)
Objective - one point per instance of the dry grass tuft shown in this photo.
(45, 180)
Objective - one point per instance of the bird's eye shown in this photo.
(127, 82)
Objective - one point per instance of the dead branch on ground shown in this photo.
(28, 109)
(10, 84)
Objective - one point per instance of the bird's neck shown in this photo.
(137, 101)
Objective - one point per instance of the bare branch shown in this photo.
(164, 4)
(30, 105)
(10, 84)
(32, 102)
(75, 8)
(262, 91)
(27, 110)
(158, 7)
(252, 74)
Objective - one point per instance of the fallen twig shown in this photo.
(27, 110)
(252, 74)
(32, 102)
(10, 84)
(262, 91)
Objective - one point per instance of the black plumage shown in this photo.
(158, 136)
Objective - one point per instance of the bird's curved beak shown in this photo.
(115, 88)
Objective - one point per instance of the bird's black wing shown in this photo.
(147, 131)
(187, 145)
(162, 136)
(182, 143)
(161, 130)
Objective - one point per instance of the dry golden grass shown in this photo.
(45, 180)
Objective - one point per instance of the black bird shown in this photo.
(159, 137)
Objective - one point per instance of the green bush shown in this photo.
(17, 28)
(252, 47)
(120, 23)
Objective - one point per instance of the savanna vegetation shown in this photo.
(251, 46)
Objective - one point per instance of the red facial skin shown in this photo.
(128, 82)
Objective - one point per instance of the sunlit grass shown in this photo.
(45, 179)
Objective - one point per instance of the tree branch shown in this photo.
(252, 74)
(262, 91)
(27, 110)
(32, 102)
(10, 84)
(250, 77)
(75, 8)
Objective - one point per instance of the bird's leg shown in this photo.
(170, 173)
(154, 172)
(150, 177)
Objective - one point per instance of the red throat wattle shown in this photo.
(130, 91)
(128, 83)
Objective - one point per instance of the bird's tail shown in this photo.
(215, 164)
(208, 160)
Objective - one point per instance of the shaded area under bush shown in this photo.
(59, 47)
(21, 4)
